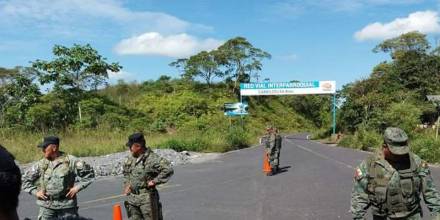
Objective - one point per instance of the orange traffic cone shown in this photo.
(117, 214)
(266, 165)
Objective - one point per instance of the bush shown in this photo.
(403, 115)
(427, 147)
(363, 139)
(237, 138)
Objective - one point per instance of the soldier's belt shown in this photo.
(141, 191)
(56, 197)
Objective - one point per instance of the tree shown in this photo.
(7, 74)
(240, 58)
(202, 65)
(17, 97)
(411, 41)
(74, 70)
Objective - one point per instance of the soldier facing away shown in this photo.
(393, 181)
(143, 170)
(56, 179)
(272, 143)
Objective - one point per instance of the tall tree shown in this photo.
(75, 70)
(203, 65)
(240, 58)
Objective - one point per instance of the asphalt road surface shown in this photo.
(315, 184)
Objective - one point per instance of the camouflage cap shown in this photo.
(397, 140)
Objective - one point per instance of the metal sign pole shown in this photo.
(334, 113)
(438, 123)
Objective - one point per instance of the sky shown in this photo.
(308, 39)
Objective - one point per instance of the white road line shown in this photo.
(320, 155)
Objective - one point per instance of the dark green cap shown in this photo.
(136, 138)
(397, 140)
(49, 140)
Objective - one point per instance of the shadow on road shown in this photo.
(283, 170)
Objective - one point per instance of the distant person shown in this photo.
(276, 150)
(393, 181)
(143, 170)
(10, 184)
(56, 180)
(269, 141)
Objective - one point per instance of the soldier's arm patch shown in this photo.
(358, 174)
(79, 165)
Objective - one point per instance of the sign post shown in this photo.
(292, 88)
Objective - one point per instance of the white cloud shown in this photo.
(119, 75)
(288, 57)
(153, 43)
(422, 21)
(293, 8)
(68, 17)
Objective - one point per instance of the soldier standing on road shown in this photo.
(272, 144)
(276, 150)
(143, 170)
(392, 182)
(56, 179)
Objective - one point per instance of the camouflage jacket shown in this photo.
(269, 142)
(391, 193)
(56, 178)
(139, 171)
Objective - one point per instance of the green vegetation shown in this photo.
(94, 118)
(395, 95)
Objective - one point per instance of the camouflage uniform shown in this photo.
(143, 202)
(391, 192)
(276, 151)
(56, 178)
(269, 145)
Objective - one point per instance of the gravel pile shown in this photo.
(111, 165)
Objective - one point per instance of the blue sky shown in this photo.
(308, 40)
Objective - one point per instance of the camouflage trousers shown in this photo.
(50, 214)
(148, 208)
(274, 158)
(416, 216)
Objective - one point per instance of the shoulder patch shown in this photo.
(358, 174)
(79, 165)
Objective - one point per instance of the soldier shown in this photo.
(56, 179)
(10, 184)
(143, 170)
(392, 181)
(269, 145)
(276, 151)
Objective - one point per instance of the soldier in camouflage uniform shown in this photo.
(143, 170)
(270, 140)
(393, 181)
(56, 179)
(276, 150)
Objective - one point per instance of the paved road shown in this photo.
(316, 184)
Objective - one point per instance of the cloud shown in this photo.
(176, 46)
(422, 21)
(288, 57)
(293, 8)
(119, 75)
(77, 17)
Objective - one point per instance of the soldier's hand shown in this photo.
(72, 192)
(151, 184)
(127, 190)
(41, 195)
